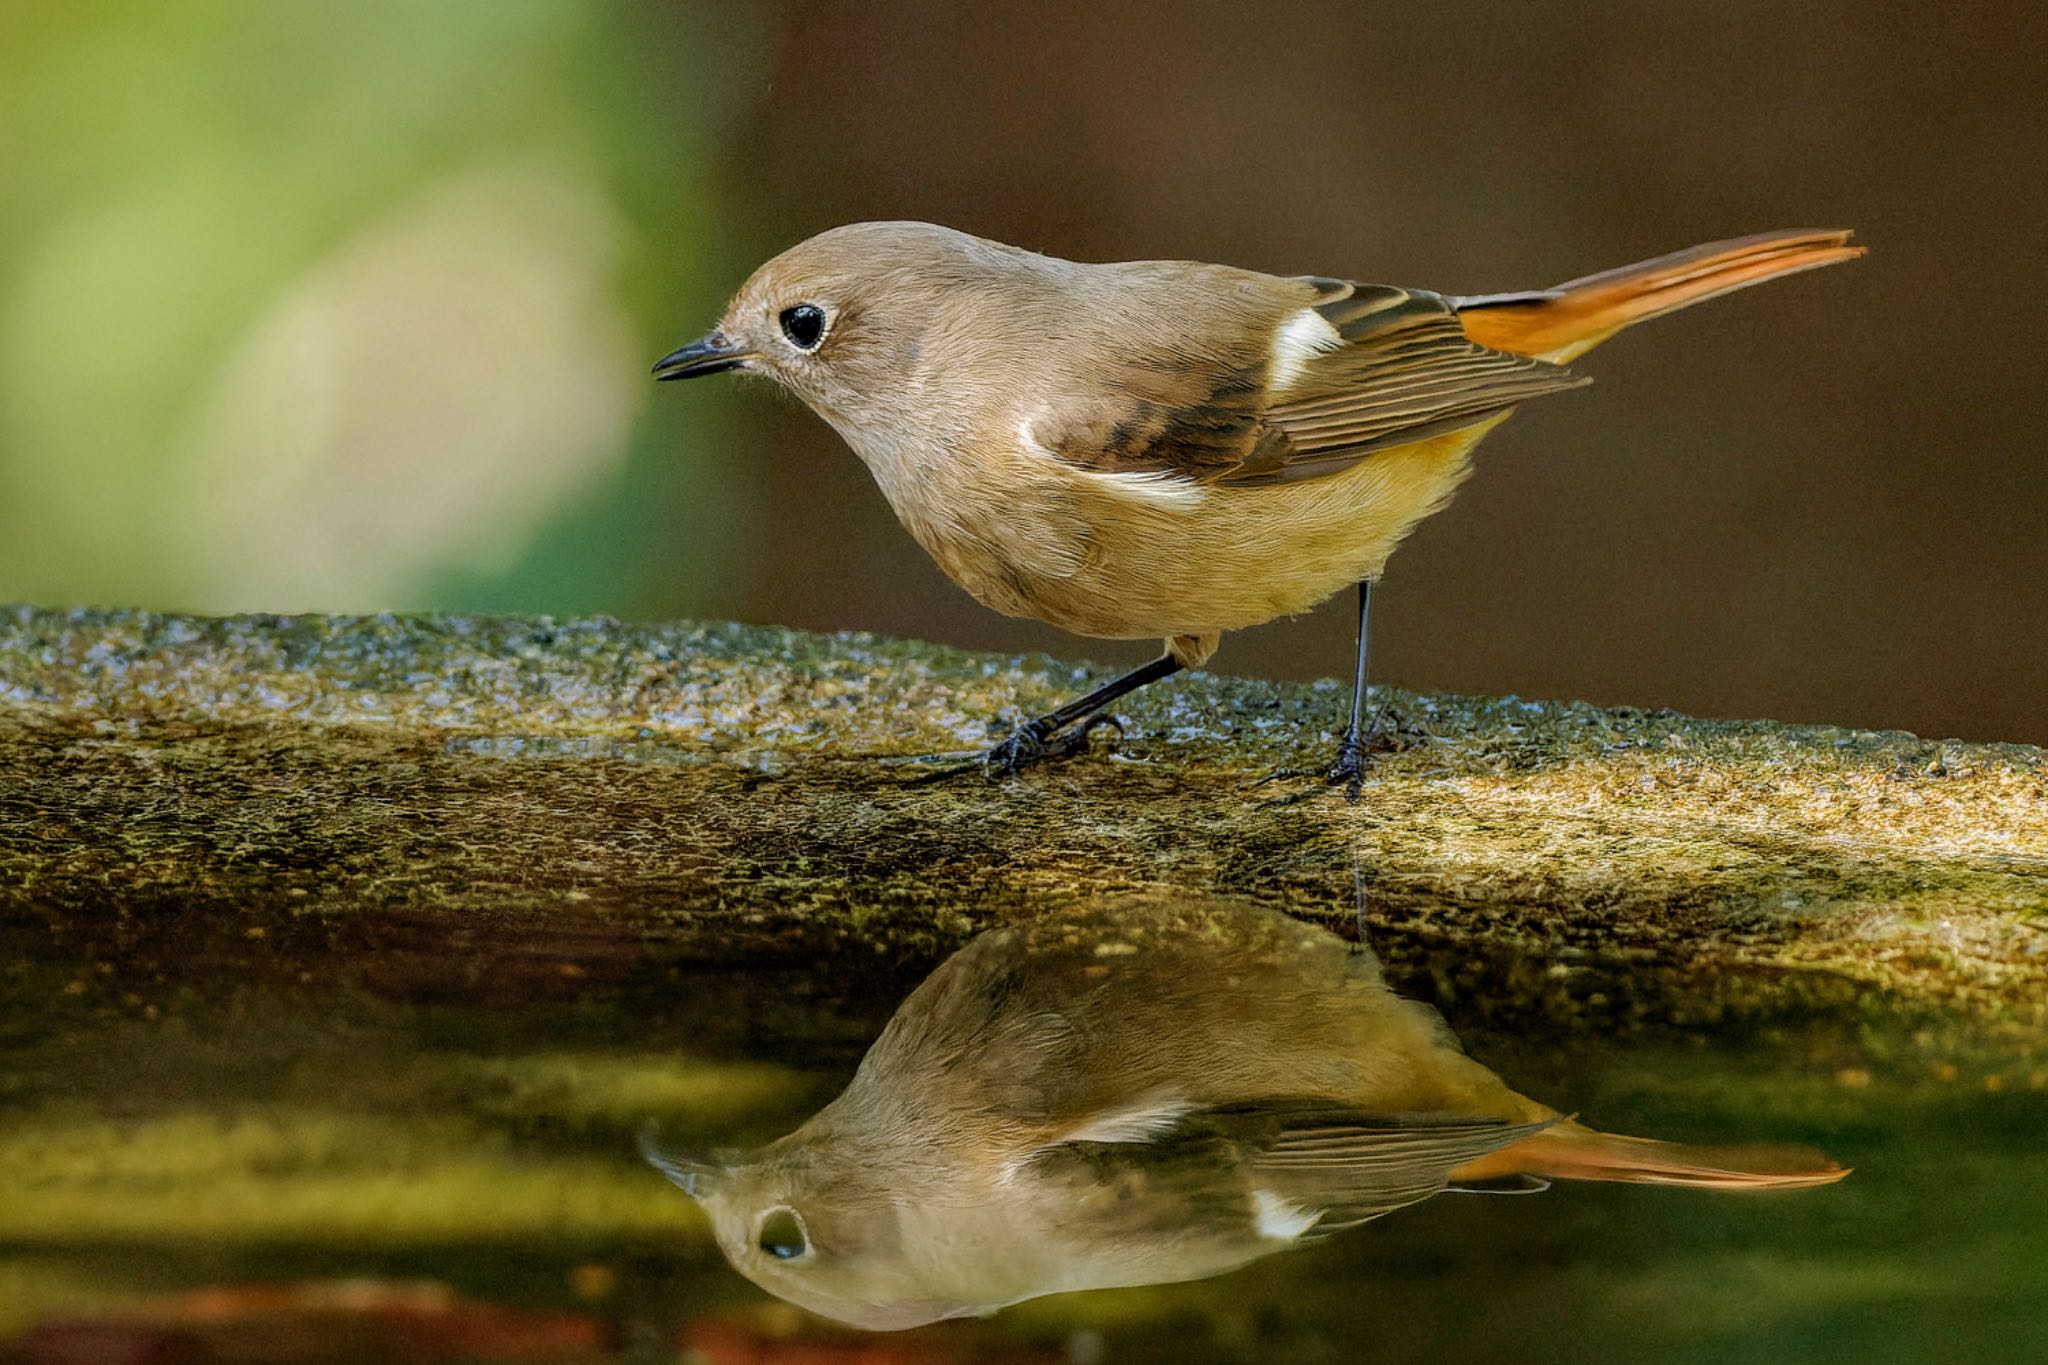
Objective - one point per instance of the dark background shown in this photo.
(1818, 500)
(1821, 499)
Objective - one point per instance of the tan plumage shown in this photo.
(1169, 448)
(1155, 1089)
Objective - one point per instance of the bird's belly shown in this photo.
(1113, 560)
(1227, 558)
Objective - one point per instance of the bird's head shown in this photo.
(812, 1228)
(853, 320)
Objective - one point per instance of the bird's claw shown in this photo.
(1032, 743)
(1355, 754)
(1349, 769)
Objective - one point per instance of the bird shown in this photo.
(1170, 449)
(1149, 1089)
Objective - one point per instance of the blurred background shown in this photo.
(351, 307)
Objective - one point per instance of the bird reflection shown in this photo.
(1151, 1091)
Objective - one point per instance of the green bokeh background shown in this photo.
(350, 307)
(170, 172)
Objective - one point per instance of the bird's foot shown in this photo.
(1355, 756)
(1035, 742)
(1348, 771)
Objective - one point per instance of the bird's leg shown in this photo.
(1360, 740)
(1349, 768)
(1040, 739)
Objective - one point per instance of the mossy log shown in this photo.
(546, 790)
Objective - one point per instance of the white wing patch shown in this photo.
(1139, 1123)
(1279, 1220)
(1169, 492)
(1300, 339)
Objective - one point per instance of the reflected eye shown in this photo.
(804, 325)
(782, 1235)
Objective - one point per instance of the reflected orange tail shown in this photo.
(1568, 1151)
(1578, 315)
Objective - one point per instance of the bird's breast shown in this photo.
(1130, 556)
(993, 522)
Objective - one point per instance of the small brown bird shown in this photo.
(1159, 1089)
(1168, 448)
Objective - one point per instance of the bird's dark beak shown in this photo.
(708, 356)
(694, 1175)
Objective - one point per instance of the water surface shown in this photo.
(413, 1139)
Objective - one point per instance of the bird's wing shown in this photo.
(1285, 1170)
(1401, 369)
(1336, 1170)
(1360, 368)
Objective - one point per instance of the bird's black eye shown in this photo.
(804, 325)
(782, 1235)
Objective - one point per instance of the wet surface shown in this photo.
(431, 1153)
(1148, 1090)
(344, 961)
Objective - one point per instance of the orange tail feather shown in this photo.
(1569, 1151)
(1577, 315)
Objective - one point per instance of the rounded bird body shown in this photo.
(1169, 448)
(1118, 557)
(1155, 1090)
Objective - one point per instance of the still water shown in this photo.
(1156, 1128)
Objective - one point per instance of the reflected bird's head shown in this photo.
(808, 1222)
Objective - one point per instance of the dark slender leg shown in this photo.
(1350, 766)
(1360, 739)
(1034, 740)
